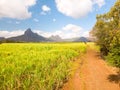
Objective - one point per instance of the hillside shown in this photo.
(29, 36)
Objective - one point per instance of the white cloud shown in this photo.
(17, 9)
(77, 8)
(99, 2)
(68, 31)
(45, 8)
(74, 8)
(47, 34)
(7, 34)
(36, 20)
(72, 27)
(86, 33)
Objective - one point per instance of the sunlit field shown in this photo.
(36, 66)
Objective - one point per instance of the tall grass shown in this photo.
(40, 66)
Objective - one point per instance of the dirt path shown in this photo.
(93, 74)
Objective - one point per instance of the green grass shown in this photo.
(36, 66)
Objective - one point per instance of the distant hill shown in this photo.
(28, 36)
(81, 39)
(55, 38)
(2, 38)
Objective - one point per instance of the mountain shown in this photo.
(55, 38)
(81, 39)
(78, 39)
(2, 38)
(69, 40)
(28, 36)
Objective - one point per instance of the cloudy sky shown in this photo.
(66, 18)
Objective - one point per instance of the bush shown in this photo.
(113, 57)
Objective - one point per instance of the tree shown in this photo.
(107, 33)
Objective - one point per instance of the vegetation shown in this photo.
(107, 33)
(38, 66)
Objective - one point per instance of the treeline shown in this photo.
(9, 41)
(107, 34)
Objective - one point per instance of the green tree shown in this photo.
(107, 33)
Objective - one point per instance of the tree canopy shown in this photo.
(107, 33)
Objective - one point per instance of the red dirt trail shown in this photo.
(93, 74)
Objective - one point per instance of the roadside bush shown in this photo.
(114, 57)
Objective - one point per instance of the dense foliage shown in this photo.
(28, 66)
(107, 33)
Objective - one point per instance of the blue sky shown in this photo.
(66, 18)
